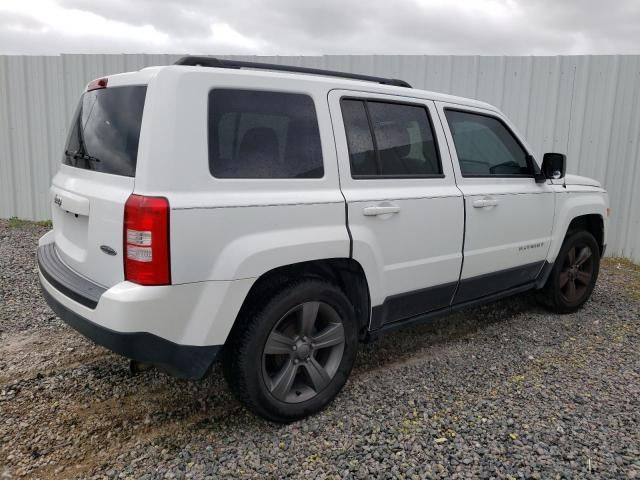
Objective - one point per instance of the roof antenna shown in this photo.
(573, 90)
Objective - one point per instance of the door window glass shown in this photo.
(390, 140)
(404, 139)
(485, 146)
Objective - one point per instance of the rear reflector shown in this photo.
(146, 240)
(97, 84)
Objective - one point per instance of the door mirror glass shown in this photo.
(554, 165)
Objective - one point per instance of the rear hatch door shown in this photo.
(97, 176)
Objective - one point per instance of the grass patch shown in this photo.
(629, 267)
(15, 222)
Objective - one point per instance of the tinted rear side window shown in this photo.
(105, 131)
(259, 134)
(404, 138)
(388, 139)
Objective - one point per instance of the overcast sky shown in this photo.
(312, 27)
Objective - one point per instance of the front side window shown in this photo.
(485, 146)
(260, 134)
(389, 139)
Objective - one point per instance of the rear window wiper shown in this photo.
(78, 154)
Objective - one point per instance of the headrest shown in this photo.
(258, 152)
(391, 135)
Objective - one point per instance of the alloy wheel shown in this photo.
(577, 273)
(303, 352)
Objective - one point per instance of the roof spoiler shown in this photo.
(204, 61)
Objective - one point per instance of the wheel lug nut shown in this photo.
(295, 361)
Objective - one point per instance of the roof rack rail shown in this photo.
(204, 61)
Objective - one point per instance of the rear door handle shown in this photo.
(485, 202)
(380, 210)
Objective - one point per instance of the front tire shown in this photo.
(292, 355)
(574, 274)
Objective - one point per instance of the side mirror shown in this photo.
(554, 165)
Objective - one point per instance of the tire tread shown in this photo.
(238, 359)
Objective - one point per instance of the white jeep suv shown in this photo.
(274, 217)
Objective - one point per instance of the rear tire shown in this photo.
(574, 274)
(290, 356)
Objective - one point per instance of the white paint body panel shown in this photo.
(570, 179)
(497, 237)
(90, 214)
(194, 314)
(226, 233)
(416, 248)
(225, 229)
(575, 201)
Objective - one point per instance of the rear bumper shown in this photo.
(179, 328)
(65, 280)
(183, 361)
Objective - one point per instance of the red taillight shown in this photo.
(146, 240)
(97, 84)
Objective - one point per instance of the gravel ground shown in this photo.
(503, 391)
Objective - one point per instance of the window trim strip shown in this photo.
(374, 140)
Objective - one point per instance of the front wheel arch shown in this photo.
(592, 223)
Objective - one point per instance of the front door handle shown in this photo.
(485, 202)
(380, 210)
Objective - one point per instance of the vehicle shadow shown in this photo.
(405, 343)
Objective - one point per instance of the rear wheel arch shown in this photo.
(294, 354)
(346, 273)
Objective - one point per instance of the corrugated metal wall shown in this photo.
(585, 106)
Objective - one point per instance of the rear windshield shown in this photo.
(105, 131)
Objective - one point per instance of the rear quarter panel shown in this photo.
(228, 229)
(245, 241)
